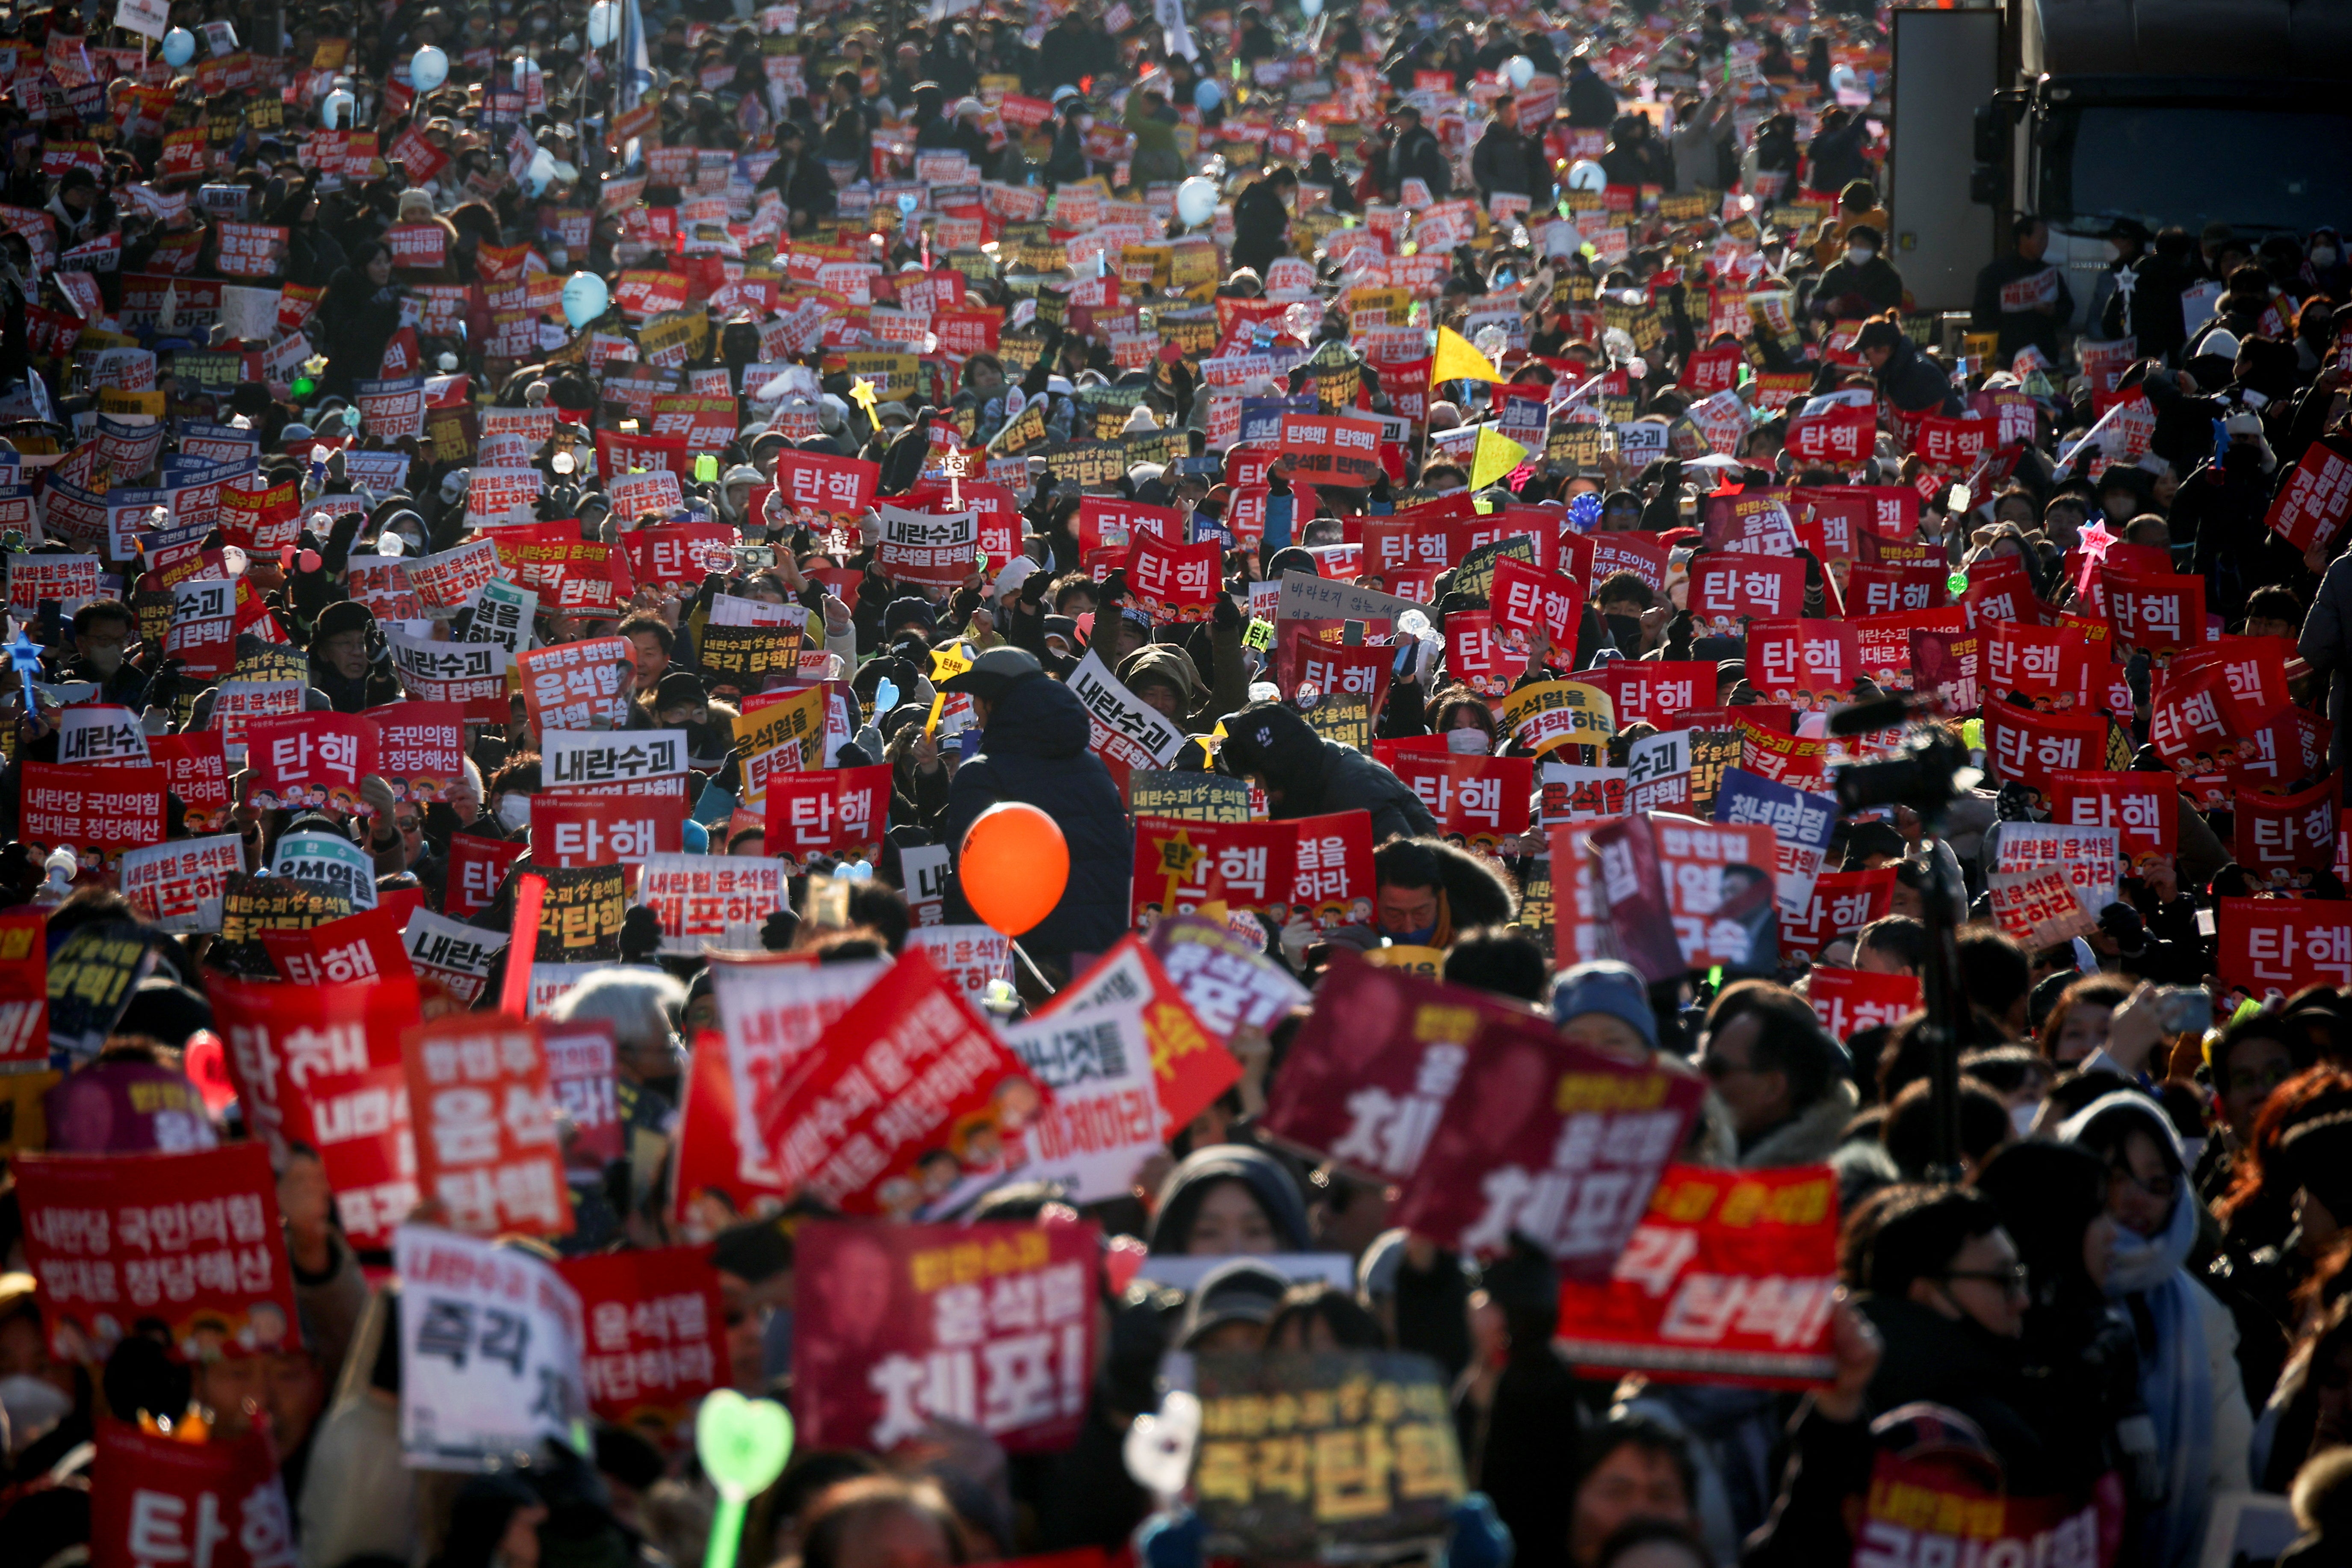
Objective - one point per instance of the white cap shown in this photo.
(2221, 341)
(1016, 572)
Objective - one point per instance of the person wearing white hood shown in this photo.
(2187, 1343)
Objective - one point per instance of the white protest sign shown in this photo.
(490, 1351)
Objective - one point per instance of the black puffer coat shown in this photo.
(1315, 776)
(1034, 750)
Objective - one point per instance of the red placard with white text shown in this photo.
(484, 1114)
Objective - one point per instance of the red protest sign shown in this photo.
(1319, 868)
(644, 292)
(1189, 1068)
(1653, 692)
(1342, 450)
(23, 990)
(1729, 587)
(1729, 1277)
(1883, 590)
(2310, 509)
(1527, 599)
(2284, 944)
(485, 1124)
(826, 811)
(1485, 799)
(363, 949)
(157, 1500)
(656, 1332)
(2025, 748)
(2157, 613)
(576, 685)
(192, 1240)
(420, 748)
(1371, 1072)
(195, 768)
(303, 760)
(1808, 664)
(1615, 552)
(1842, 903)
(477, 867)
(2143, 808)
(99, 810)
(2278, 751)
(1848, 1000)
(1950, 1506)
(680, 554)
(1835, 436)
(822, 483)
(1302, 660)
(908, 1078)
(1550, 1141)
(2284, 840)
(1177, 584)
(570, 830)
(991, 1325)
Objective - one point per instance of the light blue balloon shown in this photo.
(1310, 10)
(585, 297)
(886, 696)
(1207, 95)
(428, 69)
(906, 203)
(179, 47)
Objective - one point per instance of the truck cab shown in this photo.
(2181, 112)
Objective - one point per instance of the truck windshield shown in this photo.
(2192, 165)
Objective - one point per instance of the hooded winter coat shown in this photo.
(1034, 750)
(1306, 775)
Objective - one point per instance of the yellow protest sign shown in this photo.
(1557, 713)
(782, 737)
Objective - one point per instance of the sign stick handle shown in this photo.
(514, 998)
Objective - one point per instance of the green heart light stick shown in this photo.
(743, 1444)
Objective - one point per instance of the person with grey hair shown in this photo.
(642, 1006)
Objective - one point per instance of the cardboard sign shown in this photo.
(1368, 1076)
(1730, 1278)
(721, 900)
(655, 1332)
(485, 1117)
(910, 1068)
(989, 1325)
(1550, 1140)
(579, 759)
(1552, 713)
(491, 1342)
(191, 1240)
(1282, 1468)
(919, 547)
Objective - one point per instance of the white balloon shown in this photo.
(1159, 1448)
(1520, 69)
(1584, 174)
(1196, 202)
(429, 68)
(336, 109)
(1310, 10)
(603, 23)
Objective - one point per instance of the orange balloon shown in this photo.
(1014, 866)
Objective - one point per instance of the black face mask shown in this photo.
(1627, 630)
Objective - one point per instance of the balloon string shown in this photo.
(726, 1533)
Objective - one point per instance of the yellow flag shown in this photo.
(1496, 455)
(1457, 361)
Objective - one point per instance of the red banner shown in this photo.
(1319, 868)
(192, 1240)
(1729, 1277)
(1810, 665)
(570, 830)
(1526, 600)
(2310, 509)
(2157, 613)
(1835, 436)
(2284, 840)
(2284, 944)
(821, 482)
(680, 554)
(1371, 1072)
(1177, 584)
(99, 810)
(2143, 808)
(485, 1124)
(828, 811)
(989, 1325)
(1842, 903)
(1547, 1139)
(1848, 1000)
(656, 1332)
(899, 1099)
(1484, 799)
(2026, 748)
(363, 949)
(304, 760)
(477, 867)
(1947, 1507)
(155, 1500)
(1727, 587)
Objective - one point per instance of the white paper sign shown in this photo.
(490, 1351)
(100, 734)
(178, 885)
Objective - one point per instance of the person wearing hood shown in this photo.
(2188, 1343)
(360, 314)
(1034, 748)
(1427, 892)
(1165, 678)
(1262, 221)
(2038, 324)
(1911, 381)
(1229, 1200)
(2222, 508)
(1304, 774)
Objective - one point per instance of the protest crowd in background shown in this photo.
(1098, 744)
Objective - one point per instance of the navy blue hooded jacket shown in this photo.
(1034, 750)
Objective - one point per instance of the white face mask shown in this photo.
(106, 660)
(514, 812)
(2021, 1117)
(1470, 742)
(2323, 256)
(1086, 123)
(1859, 255)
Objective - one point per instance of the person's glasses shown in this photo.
(2162, 1188)
(409, 824)
(2012, 1280)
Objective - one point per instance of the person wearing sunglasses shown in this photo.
(2189, 1375)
